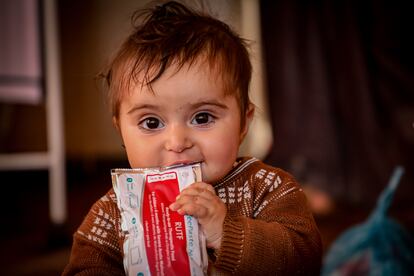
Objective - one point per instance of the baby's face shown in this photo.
(188, 118)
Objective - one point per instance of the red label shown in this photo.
(164, 230)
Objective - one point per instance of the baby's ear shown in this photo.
(247, 121)
(115, 123)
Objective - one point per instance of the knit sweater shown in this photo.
(268, 229)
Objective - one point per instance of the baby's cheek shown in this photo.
(140, 157)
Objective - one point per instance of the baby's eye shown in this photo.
(202, 118)
(151, 123)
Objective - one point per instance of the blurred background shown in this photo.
(333, 82)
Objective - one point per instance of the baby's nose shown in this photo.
(178, 139)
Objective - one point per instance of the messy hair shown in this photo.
(172, 34)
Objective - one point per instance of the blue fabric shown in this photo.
(380, 246)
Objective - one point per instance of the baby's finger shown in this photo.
(205, 203)
(193, 209)
(174, 206)
(205, 208)
(203, 185)
(192, 192)
(181, 200)
(197, 192)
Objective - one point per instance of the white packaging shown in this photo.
(158, 241)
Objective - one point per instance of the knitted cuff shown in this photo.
(229, 255)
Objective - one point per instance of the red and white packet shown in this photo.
(159, 241)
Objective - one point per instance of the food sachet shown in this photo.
(158, 241)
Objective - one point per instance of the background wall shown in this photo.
(89, 32)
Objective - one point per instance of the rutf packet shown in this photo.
(158, 241)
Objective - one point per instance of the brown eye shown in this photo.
(202, 118)
(151, 123)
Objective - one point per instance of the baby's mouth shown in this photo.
(182, 163)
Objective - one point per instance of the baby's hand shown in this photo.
(200, 201)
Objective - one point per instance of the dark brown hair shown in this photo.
(174, 34)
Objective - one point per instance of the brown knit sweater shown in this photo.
(268, 230)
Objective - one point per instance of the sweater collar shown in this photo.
(240, 164)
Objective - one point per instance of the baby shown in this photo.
(179, 93)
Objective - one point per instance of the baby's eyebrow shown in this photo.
(142, 106)
(209, 103)
(196, 105)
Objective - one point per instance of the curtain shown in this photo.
(341, 93)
